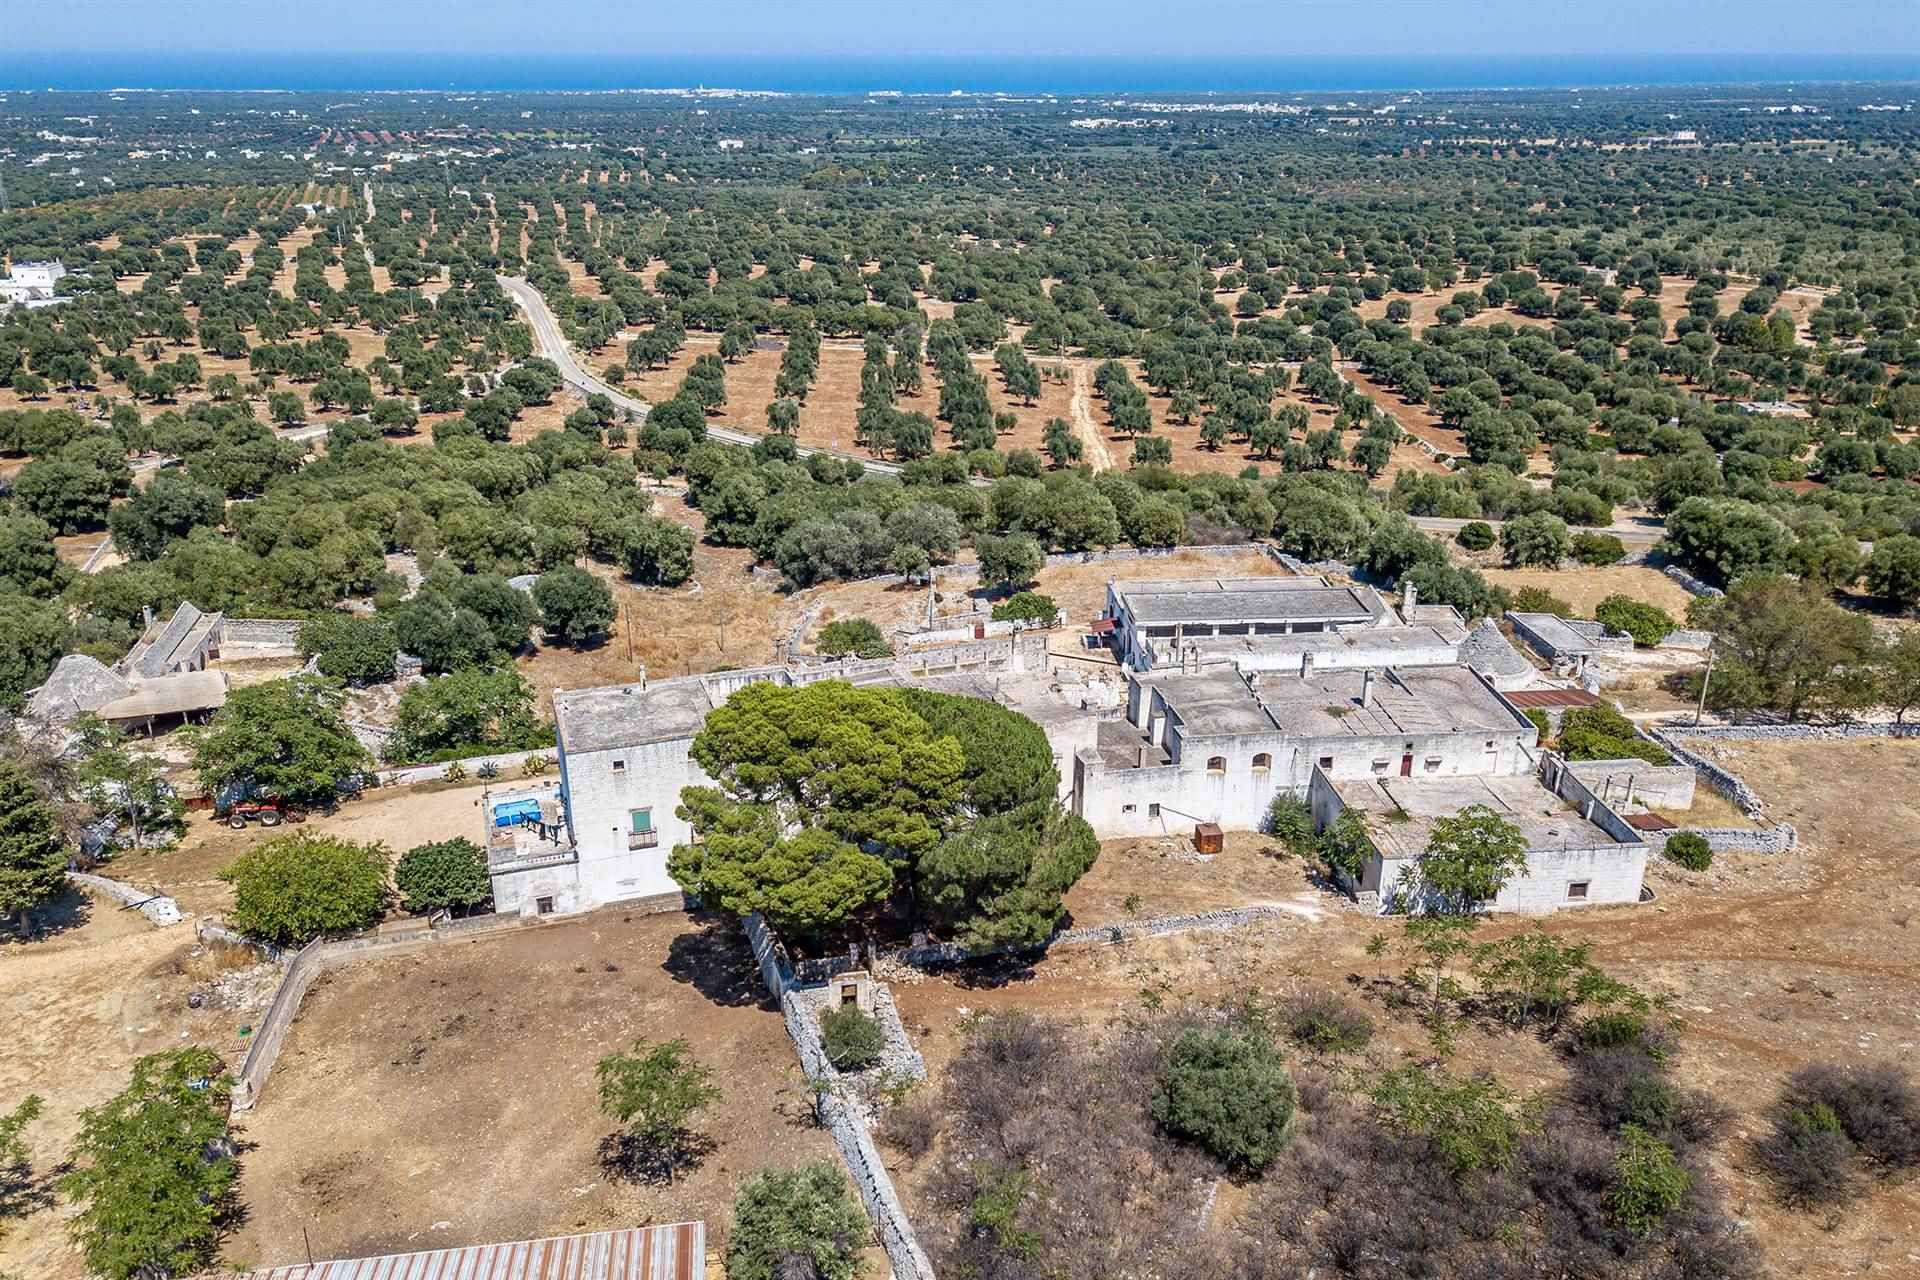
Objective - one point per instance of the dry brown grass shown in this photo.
(1585, 588)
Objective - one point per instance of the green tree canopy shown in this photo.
(654, 1091)
(574, 605)
(796, 1222)
(1470, 857)
(1228, 1091)
(152, 1171)
(351, 647)
(33, 869)
(447, 875)
(293, 888)
(283, 738)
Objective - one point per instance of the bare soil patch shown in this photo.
(488, 1050)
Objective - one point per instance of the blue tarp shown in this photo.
(513, 812)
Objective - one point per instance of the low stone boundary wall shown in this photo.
(159, 909)
(1685, 639)
(310, 961)
(1776, 839)
(258, 633)
(406, 774)
(843, 1116)
(1792, 732)
(1688, 583)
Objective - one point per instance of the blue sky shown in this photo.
(1214, 29)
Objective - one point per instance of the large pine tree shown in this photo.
(33, 871)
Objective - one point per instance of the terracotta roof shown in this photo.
(676, 1252)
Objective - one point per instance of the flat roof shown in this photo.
(1385, 641)
(624, 715)
(1406, 700)
(1555, 630)
(1315, 603)
(1212, 703)
(674, 1252)
(1401, 811)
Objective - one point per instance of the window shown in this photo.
(619, 766)
(1577, 891)
(1433, 764)
(1380, 767)
(543, 905)
(1153, 811)
(640, 832)
(1216, 764)
(1129, 808)
(1490, 745)
(1326, 763)
(1262, 762)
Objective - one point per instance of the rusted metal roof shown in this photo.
(1648, 822)
(1524, 698)
(676, 1252)
(1101, 626)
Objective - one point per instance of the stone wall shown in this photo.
(157, 908)
(1777, 839)
(1689, 583)
(842, 1115)
(282, 634)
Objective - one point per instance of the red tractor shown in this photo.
(268, 813)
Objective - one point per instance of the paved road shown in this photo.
(553, 345)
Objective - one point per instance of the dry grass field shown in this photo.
(1585, 588)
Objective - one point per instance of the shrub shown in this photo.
(1541, 600)
(450, 875)
(1291, 822)
(1475, 535)
(1227, 1092)
(1538, 539)
(1598, 549)
(1649, 1182)
(1467, 1121)
(1026, 606)
(857, 636)
(1323, 1022)
(1877, 1108)
(1647, 624)
(852, 1038)
(1538, 719)
(911, 1125)
(798, 1222)
(534, 766)
(1807, 1155)
(1601, 733)
(1690, 850)
(293, 888)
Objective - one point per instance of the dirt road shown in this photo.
(1098, 455)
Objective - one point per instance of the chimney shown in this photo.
(1143, 757)
(1366, 687)
(1306, 665)
(1409, 600)
(146, 618)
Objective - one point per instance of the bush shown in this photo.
(450, 875)
(1322, 1022)
(1647, 624)
(852, 1038)
(358, 650)
(1291, 822)
(911, 1125)
(1475, 535)
(1540, 600)
(293, 888)
(799, 1222)
(1540, 539)
(1649, 1182)
(856, 636)
(1598, 549)
(1467, 1121)
(1807, 1156)
(1227, 1092)
(1538, 719)
(1027, 606)
(1876, 1107)
(1601, 733)
(575, 606)
(1690, 850)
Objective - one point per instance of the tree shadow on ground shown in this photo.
(67, 912)
(634, 1159)
(716, 961)
(995, 972)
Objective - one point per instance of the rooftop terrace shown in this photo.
(1400, 812)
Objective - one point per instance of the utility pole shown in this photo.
(1704, 680)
